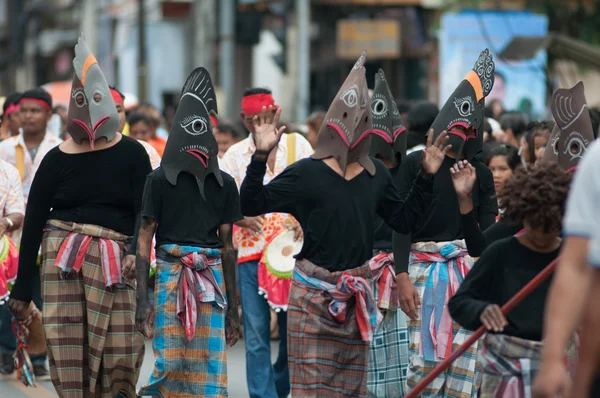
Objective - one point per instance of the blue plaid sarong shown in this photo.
(197, 367)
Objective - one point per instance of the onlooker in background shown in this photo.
(314, 123)
(502, 161)
(536, 139)
(419, 119)
(404, 107)
(140, 126)
(11, 116)
(494, 109)
(496, 131)
(514, 126)
(226, 136)
(61, 112)
(158, 135)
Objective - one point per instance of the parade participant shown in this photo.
(119, 99)
(335, 196)
(511, 349)
(11, 115)
(571, 139)
(388, 354)
(434, 251)
(195, 298)
(265, 380)
(84, 221)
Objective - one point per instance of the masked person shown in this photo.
(83, 206)
(335, 196)
(195, 296)
(432, 259)
(388, 354)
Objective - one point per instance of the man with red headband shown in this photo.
(25, 151)
(264, 380)
(11, 115)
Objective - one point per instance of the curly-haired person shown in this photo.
(536, 198)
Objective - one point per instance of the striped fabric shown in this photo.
(72, 253)
(183, 368)
(436, 270)
(197, 284)
(509, 365)
(388, 353)
(94, 349)
(327, 358)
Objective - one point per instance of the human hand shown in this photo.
(410, 302)
(433, 154)
(552, 380)
(4, 226)
(128, 267)
(252, 223)
(298, 233)
(266, 135)
(493, 318)
(463, 178)
(232, 326)
(144, 318)
(18, 308)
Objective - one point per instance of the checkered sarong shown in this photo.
(461, 379)
(182, 368)
(94, 349)
(326, 358)
(388, 353)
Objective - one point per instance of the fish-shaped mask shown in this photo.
(192, 147)
(573, 132)
(345, 132)
(387, 139)
(465, 108)
(92, 113)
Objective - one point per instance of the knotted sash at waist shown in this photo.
(73, 250)
(348, 284)
(447, 265)
(197, 283)
(384, 277)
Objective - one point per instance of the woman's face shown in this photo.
(500, 170)
(539, 143)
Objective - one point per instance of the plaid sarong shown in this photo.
(509, 365)
(182, 368)
(388, 353)
(327, 357)
(436, 270)
(94, 349)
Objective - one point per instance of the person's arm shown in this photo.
(138, 182)
(14, 209)
(144, 318)
(471, 299)
(487, 210)
(40, 199)
(278, 196)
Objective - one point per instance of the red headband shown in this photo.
(253, 104)
(37, 101)
(11, 108)
(118, 98)
(214, 121)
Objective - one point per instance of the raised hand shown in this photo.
(266, 135)
(433, 154)
(463, 178)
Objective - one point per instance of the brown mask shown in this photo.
(575, 134)
(345, 132)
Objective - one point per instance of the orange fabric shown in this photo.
(158, 144)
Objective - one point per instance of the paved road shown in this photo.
(236, 364)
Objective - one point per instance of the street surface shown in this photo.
(236, 366)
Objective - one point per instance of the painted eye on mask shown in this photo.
(194, 125)
(80, 99)
(350, 97)
(379, 107)
(575, 148)
(97, 97)
(464, 106)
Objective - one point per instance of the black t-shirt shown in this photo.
(183, 216)
(100, 187)
(478, 240)
(383, 232)
(503, 269)
(336, 215)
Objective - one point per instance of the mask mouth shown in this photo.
(200, 155)
(378, 132)
(99, 123)
(340, 130)
(398, 131)
(452, 130)
(91, 134)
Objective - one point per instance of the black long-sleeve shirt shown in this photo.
(503, 269)
(100, 187)
(336, 215)
(383, 233)
(442, 221)
(477, 240)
